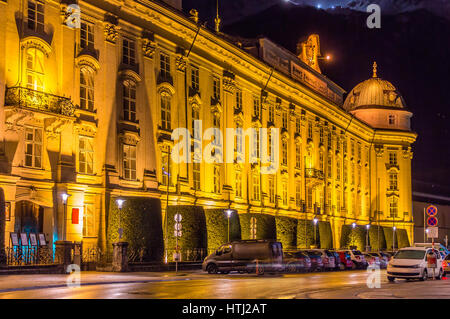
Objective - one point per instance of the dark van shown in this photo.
(245, 256)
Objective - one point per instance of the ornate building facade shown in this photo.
(88, 111)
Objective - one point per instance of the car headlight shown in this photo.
(415, 266)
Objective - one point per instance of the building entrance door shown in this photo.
(29, 217)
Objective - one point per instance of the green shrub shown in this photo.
(217, 227)
(140, 219)
(388, 233)
(353, 236)
(286, 231)
(193, 225)
(265, 226)
(308, 228)
(325, 234)
(402, 236)
(375, 233)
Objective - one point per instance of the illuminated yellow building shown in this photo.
(89, 112)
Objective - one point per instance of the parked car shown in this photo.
(246, 255)
(328, 259)
(382, 257)
(446, 265)
(357, 258)
(441, 248)
(372, 259)
(346, 260)
(411, 263)
(337, 260)
(316, 259)
(296, 262)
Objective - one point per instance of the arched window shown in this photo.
(86, 89)
(129, 101)
(165, 111)
(35, 69)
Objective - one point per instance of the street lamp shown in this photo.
(315, 220)
(229, 212)
(393, 237)
(353, 235)
(119, 205)
(367, 237)
(64, 199)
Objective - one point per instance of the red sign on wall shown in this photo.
(75, 216)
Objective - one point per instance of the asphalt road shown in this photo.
(198, 285)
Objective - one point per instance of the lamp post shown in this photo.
(64, 199)
(119, 205)
(367, 237)
(315, 220)
(353, 236)
(229, 212)
(393, 237)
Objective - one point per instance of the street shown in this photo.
(199, 285)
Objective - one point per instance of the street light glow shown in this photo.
(315, 220)
(64, 197)
(229, 212)
(368, 226)
(120, 203)
(394, 228)
(353, 225)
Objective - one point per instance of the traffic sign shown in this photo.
(432, 232)
(178, 217)
(432, 221)
(432, 210)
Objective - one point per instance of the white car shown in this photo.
(411, 263)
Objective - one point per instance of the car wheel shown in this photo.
(424, 275)
(391, 279)
(440, 275)
(212, 269)
(260, 270)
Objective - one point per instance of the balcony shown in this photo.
(23, 97)
(313, 173)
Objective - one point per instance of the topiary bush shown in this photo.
(325, 234)
(140, 219)
(305, 241)
(265, 226)
(388, 233)
(286, 228)
(376, 232)
(217, 227)
(353, 236)
(402, 236)
(193, 225)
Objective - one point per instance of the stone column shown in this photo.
(120, 257)
(63, 253)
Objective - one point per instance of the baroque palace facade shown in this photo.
(89, 112)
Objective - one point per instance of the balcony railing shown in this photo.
(313, 173)
(24, 97)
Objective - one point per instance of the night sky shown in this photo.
(412, 50)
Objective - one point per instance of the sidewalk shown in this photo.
(39, 281)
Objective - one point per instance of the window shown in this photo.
(359, 176)
(129, 101)
(129, 161)
(256, 143)
(239, 99)
(321, 161)
(86, 155)
(298, 125)
(344, 145)
(344, 202)
(284, 146)
(196, 175)
(271, 113)
(128, 52)
(298, 156)
(391, 119)
(271, 189)
(321, 135)
(35, 69)
(166, 170)
(33, 147)
(345, 173)
(216, 88)
(309, 197)
(35, 16)
(164, 65)
(329, 140)
(392, 158)
(393, 181)
(310, 130)
(393, 207)
(338, 169)
(298, 194)
(338, 199)
(285, 193)
(195, 117)
(216, 120)
(353, 174)
(238, 183)
(256, 187)
(359, 151)
(256, 107)
(86, 35)
(216, 179)
(239, 141)
(165, 111)
(89, 229)
(352, 147)
(285, 120)
(195, 78)
(329, 166)
(86, 90)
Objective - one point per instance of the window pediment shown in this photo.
(127, 74)
(37, 43)
(85, 60)
(165, 88)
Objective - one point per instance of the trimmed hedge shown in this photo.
(265, 226)
(286, 228)
(193, 227)
(325, 234)
(402, 236)
(140, 219)
(388, 233)
(374, 232)
(303, 242)
(217, 227)
(353, 236)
